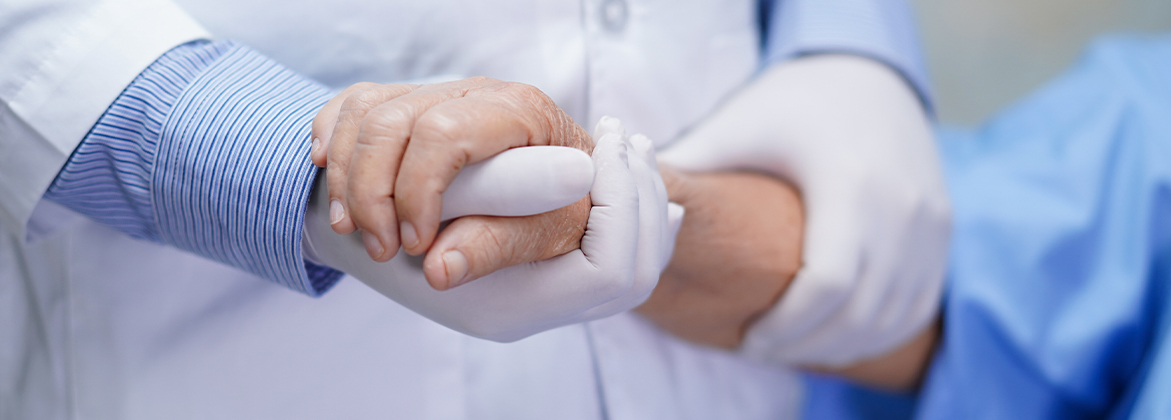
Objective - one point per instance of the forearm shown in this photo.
(737, 250)
(736, 254)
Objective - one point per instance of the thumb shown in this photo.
(548, 182)
(472, 247)
(475, 246)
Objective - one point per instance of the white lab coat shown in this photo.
(96, 325)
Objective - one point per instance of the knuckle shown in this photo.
(530, 95)
(336, 172)
(386, 125)
(554, 233)
(491, 250)
(547, 122)
(436, 126)
(361, 100)
(363, 197)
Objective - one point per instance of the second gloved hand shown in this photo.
(853, 137)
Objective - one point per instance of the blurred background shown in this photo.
(984, 54)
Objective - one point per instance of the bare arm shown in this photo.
(737, 251)
(734, 256)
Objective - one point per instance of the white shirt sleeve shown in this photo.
(61, 65)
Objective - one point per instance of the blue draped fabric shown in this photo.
(1058, 286)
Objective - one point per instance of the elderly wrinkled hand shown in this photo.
(392, 150)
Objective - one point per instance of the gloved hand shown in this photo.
(855, 140)
(393, 150)
(628, 240)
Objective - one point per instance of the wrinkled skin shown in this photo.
(391, 150)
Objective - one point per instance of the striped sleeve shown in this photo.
(883, 30)
(207, 150)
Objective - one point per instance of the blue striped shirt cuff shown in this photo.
(883, 30)
(207, 150)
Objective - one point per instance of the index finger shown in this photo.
(326, 119)
(467, 130)
(351, 112)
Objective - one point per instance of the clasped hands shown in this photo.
(397, 155)
(409, 154)
(738, 249)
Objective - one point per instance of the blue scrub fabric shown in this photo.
(1058, 284)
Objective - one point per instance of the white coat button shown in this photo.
(614, 15)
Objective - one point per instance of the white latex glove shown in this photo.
(854, 138)
(628, 240)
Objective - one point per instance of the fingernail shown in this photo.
(336, 212)
(373, 245)
(410, 237)
(316, 145)
(456, 267)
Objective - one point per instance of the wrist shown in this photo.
(736, 253)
